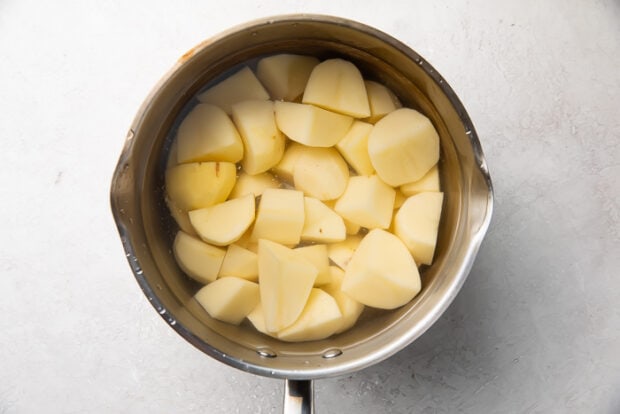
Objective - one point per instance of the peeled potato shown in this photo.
(416, 223)
(367, 201)
(321, 223)
(349, 307)
(239, 87)
(342, 252)
(229, 299)
(199, 260)
(321, 173)
(253, 184)
(239, 262)
(199, 185)
(280, 216)
(337, 85)
(320, 318)
(403, 146)
(430, 182)
(224, 223)
(316, 254)
(285, 75)
(263, 141)
(208, 134)
(285, 280)
(181, 217)
(284, 169)
(310, 125)
(382, 101)
(381, 273)
(257, 318)
(354, 148)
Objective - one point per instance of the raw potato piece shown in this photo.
(403, 146)
(416, 224)
(349, 307)
(242, 86)
(285, 76)
(257, 318)
(198, 259)
(337, 85)
(381, 273)
(311, 126)
(181, 217)
(321, 223)
(321, 173)
(316, 255)
(239, 262)
(285, 281)
(253, 184)
(224, 223)
(367, 201)
(430, 182)
(280, 216)
(341, 253)
(263, 141)
(208, 134)
(286, 166)
(354, 148)
(381, 99)
(229, 300)
(320, 318)
(198, 185)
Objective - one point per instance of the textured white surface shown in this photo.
(536, 327)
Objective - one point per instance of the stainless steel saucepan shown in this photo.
(146, 228)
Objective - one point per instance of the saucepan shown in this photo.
(147, 229)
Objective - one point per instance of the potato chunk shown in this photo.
(199, 185)
(280, 216)
(239, 87)
(310, 125)
(416, 223)
(285, 75)
(263, 141)
(239, 262)
(381, 99)
(342, 252)
(321, 173)
(286, 166)
(354, 148)
(321, 223)
(253, 184)
(403, 146)
(208, 134)
(381, 273)
(337, 85)
(316, 254)
(181, 217)
(229, 299)
(224, 223)
(320, 318)
(349, 307)
(199, 260)
(367, 201)
(285, 280)
(430, 182)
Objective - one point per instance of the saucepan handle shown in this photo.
(298, 397)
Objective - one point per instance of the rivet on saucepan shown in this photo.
(266, 353)
(332, 353)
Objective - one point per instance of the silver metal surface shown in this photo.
(298, 397)
(144, 224)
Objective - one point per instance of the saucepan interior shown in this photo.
(147, 230)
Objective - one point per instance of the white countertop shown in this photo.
(536, 328)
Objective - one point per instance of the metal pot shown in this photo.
(146, 228)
